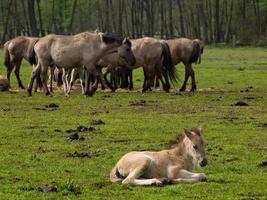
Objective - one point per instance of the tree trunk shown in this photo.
(32, 19)
(40, 18)
(72, 15)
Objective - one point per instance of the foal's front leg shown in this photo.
(189, 177)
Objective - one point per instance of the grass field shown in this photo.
(33, 142)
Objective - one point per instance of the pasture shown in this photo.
(36, 162)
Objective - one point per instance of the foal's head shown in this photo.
(195, 145)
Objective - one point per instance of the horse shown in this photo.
(81, 50)
(173, 165)
(14, 51)
(153, 56)
(186, 51)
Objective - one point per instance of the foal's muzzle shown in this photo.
(203, 163)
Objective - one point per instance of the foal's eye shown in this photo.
(195, 147)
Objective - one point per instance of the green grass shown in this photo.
(33, 154)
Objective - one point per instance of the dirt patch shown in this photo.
(262, 164)
(81, 128)
(253, 97)
(101, 185)
(47, 189)
(95, 113)
(253, 195)
(137, 103)
(97, 122)
(106, 96)
(5, 108)
(229, 160)
(241, 68)
(49, 107)
(239, 103)
(264, 124)
(52, 105)
(41, 150)
(74, 136)
(247, 89)
(81, 155)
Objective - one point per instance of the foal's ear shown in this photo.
(188, 133)
(198, 130)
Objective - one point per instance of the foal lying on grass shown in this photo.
(173, 166)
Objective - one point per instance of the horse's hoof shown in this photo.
(182, 89)
(157, 183)
(47, 94)
(29, 92)
(202, 177)
(193, 89)
(166, 90)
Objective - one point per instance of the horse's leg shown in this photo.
(192, 73)
(130, 76)
(52, 69)
(17, 70)
(44, 68)
(64, 80)
(9, 70)
(101, 79)
(35, 72)
(167, 85)
(38, 82)
(187, 73)
(109, 83)
(87, 81)
(146, 80)
(82, 79)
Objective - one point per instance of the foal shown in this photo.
(174, 165)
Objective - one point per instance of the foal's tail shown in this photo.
(115, 175)
(7, 62)
(196, 52)
(167, 62)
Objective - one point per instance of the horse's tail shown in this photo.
(196, 52)
(7, 62)
(167, 62)
(32, 54)
(115, 175)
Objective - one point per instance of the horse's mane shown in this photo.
(112, 38)
(173, 143)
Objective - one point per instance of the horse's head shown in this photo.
(195, 145)
(125, 52)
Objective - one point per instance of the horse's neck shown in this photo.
(110, 48)
(182, 153)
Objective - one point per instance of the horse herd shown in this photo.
(84, 55)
